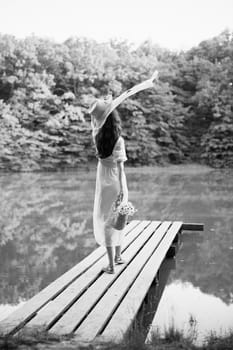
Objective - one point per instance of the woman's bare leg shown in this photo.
(110, 252)
(118, 258)
(117, 252)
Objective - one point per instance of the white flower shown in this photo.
(126, 209)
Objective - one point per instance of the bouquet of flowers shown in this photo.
(121, 212)
(126, 209)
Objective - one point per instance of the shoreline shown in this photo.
(172, 168)
(172, 340)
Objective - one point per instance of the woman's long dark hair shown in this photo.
(108, 135)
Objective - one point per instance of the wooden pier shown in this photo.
(93, 305)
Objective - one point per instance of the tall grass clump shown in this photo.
(216, 342)
(171, 339)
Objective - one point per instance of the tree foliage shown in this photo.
(46, 89)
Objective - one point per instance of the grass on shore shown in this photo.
(171, 340)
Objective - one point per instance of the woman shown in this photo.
(110, 179)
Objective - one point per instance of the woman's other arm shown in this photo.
(122, 181)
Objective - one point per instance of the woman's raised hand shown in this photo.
(154, 75)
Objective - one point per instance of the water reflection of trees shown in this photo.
(45, 230)
(46, 225)
(206, 259)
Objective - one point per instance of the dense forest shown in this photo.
(46, 89)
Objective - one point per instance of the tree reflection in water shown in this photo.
(45, 229)
(46, 225)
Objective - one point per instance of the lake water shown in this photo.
(46, 228)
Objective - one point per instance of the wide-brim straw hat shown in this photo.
(101, 108)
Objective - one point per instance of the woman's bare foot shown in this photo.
(109, 269)
(119, 261)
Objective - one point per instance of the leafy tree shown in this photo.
(46, 89)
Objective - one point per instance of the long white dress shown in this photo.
(107, 189)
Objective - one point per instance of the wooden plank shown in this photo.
(63, 301)
(98, 317)
(193, 227)
(127, 311)
(28, 310)
(87, 301)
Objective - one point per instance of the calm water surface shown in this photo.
(46, 228)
